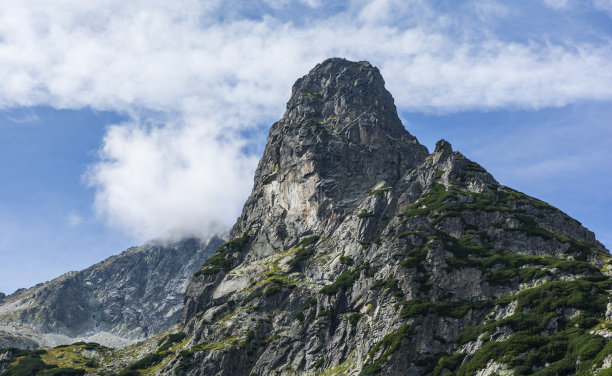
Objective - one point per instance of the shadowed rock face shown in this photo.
(122, 299)
(358, 252)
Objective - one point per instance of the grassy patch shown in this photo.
(365, 214)
(388, 284)
(570, 349)
(511, 267)
(578, 249)
(224, 257)
(439, 174)
(345, 280)
(379, 191)
(304, 251)
(354, 318)
(144, 363)
(312, 94)
(169, 340)
(213, 346)
(456, 309)
(474, 167)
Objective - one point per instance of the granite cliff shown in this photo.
(359, 252)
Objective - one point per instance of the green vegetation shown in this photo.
(455, 309)
(235, 340)
(304, 251)
(439, 203)
(347, 260)
(28, 363)
(63, 360)
(300, 256)
(414, 258)
(571, 349)
(365, 214)
(431, 201)
(530, 227)
(389, 344)
(511, 267)
(62, 372)
(307, 242)
(312, 94)
(144, 363)
(273, 284)
(169, 340)
(407, 233)
(223, 259)
(379, 191)
(354, 318)
(345, 280)
(474, 167)
(300, 315)
(449, 362)
(324, 313)
(364, 244)
(388, 284)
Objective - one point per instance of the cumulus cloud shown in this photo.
(172, 180)
(193, 76)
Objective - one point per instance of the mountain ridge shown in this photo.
(358, 252)
(120, 300)
(357, 242)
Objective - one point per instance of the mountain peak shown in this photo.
(443, 147)
(345, 96)
(341, 125)
(360, 253)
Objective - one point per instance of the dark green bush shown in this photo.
(354, 318)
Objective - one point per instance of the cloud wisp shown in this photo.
(209, 76)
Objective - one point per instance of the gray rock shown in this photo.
(359, 252)
(123, 299)
(395, 226)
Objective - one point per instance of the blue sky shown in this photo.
(125, 122)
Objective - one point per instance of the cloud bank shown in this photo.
(193, 77)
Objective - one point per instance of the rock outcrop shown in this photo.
(123, 299)
(358, 252)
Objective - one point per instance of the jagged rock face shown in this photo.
(122, 299)
(339, 113)
(359, 252)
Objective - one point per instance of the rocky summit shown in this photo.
(361, 253)
(123, 299)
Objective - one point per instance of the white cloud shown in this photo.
(210, 79)
(174, 180)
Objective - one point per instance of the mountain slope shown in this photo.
(122, 299)
(360, 253)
